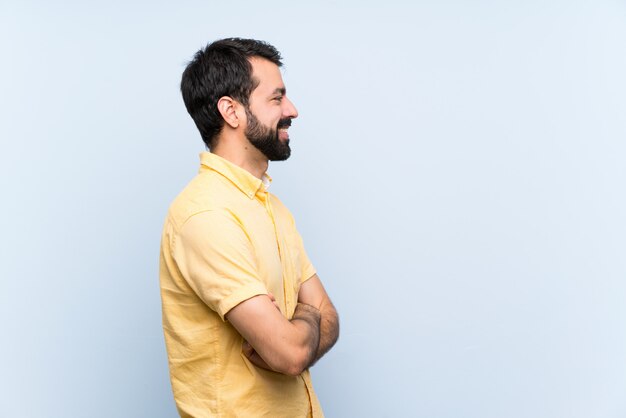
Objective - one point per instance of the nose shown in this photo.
(289, 110)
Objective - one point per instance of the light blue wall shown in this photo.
(457, 174)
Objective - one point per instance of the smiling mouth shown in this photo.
(283, 134)
(284, 124)
(282, 127)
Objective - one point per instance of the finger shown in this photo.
(247, 348)
(273, 299)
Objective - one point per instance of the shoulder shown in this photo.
(208, 193)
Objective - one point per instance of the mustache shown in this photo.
(284, 123)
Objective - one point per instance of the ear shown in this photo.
(227, 107)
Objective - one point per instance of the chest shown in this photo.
(274, 242)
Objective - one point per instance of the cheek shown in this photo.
(273, 121)
(268, 116)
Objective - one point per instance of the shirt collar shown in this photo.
(244, 180)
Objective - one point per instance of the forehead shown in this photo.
(267, 74)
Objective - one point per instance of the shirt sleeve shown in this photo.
(306, 267)
(215, 256)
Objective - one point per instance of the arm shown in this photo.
(312, 292)
(284, 346)
(216, 259)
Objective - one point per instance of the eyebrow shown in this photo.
(280, 90)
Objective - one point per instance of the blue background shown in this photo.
(457, 175)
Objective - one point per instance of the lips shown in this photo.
(284, 124)
(283, 134)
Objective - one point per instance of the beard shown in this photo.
(266, 139)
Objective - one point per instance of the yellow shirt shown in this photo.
(225, 240)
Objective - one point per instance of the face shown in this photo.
(269, 112)
(267, 139)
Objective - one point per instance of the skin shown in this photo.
(270, 340)
(312, 293)
(269, 103)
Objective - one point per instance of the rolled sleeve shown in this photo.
(216, 258)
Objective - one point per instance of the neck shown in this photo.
(247, 157)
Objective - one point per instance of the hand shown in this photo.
(273, 299)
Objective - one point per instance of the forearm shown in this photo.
(329, 329)
(308, 319)
(312, 292)
(285, 346)
(299, 348)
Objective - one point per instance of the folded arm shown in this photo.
(284, 346)
(312, 292)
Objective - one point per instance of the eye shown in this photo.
(278, 98)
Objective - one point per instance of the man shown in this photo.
(244, 314)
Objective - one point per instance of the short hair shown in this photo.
(221, 69)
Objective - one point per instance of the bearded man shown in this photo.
(244, 313)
